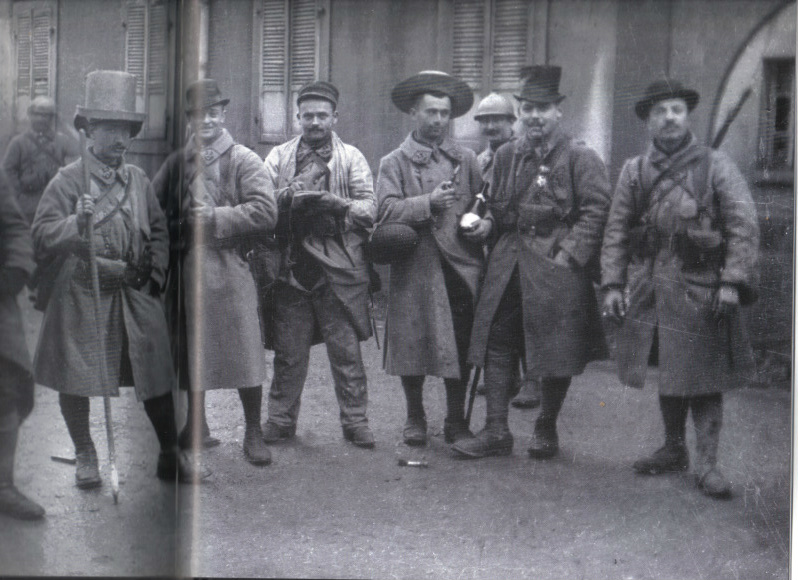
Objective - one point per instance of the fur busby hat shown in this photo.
(405, 94)
(110, 95)
(662, 90)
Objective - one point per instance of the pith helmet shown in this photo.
(203, 94)
(661, 90)
(495, 104)
(110, 96)
(42, 106)
(540, 84)
(404, 94)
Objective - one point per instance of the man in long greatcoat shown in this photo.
(428, 183)
(679, 259)
(132, 249)
(549, 197)
(218, 202)
(16, 380)
(34, 157)
(325, 193)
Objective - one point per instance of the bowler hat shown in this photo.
(203, 94)
(42, 106)
(405, 94)
(540, 84)
(110, 95)
(661, 90)
(318, 90)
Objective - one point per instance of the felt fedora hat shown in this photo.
(110, 95)
(404, 94)
(661, 90)
(203, 94)
(540, 84)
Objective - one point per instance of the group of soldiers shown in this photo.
(189, 276)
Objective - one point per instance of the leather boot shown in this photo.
(454, 425)
(545, 442)
(12, 502)
(191, 437)
(255, 449)
(708, 420)
(495, 439)
(673, 456)
(530, 394)
(87, 470)
(176, 465)
(414, 432)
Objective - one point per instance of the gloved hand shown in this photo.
(727, 300)
(12, 281)
(479, 232)
(329, 203)
(614, 306)
(84, 209)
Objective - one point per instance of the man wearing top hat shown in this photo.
(549, 196)
(35, 156)
(679, 259)
(132, 251)
(428, 183)
(325, 194)
(218, 202)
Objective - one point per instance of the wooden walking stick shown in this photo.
(95, 291)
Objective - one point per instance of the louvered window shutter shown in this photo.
(23, 33)
(35, 49)
(469, 41)
(303, 42)
(41, 58)
(509, 39)
(136, 42)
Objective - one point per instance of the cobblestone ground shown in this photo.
(328, 509)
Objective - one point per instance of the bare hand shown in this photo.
(442, 197)
(614, 306)
(727, 301)
(479, 232)
(84, 209)
(330, 203)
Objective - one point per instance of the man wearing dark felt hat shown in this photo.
(131, 246)
(218, 204)
(325, 195)
(679, 259)
(428, 183)
(549, 197)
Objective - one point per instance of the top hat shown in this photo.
(42, 106)
(203, 94)
(110, 96)
(404, 94)
(540, 84)
(318, 90)
(496, 105)
(661, 90)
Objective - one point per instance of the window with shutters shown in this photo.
(34, 52)
(490, 42)
(146, 56)
(777, 141)
(288, 52)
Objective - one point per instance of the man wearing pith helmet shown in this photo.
(679, 259)
(218, 203)
(427, 183)
(549, 197)
(325, 195)
(125, 323)
(495, 115)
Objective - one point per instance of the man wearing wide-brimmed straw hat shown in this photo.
(132, 248)
(218, 202)
(549, 196)
(33, 158)
(679, 258)
(428, 183)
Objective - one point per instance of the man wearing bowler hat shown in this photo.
(131, 246)
(218, 203)
(34, 157)
(428, 183)
(325, 195)
(679, 259)
(549, 196)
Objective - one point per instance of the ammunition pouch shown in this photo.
(537, 219)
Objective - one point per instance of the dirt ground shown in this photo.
(325, 508)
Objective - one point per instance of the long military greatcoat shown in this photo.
(541, 207)
(697, 354)
(419, 334)
(220, 315)
(16, 251)
(133, 321)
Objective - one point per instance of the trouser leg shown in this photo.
(294, 322)
(553, 391)
(75, 410)
(161, 412)
(461, 304)
(12, 502)
(413, 387)
(255, 449)
(708, 419)
(674, 417)
(346, 362)
(251, 400)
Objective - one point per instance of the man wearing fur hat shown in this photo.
(218, 202)
(132, 249)
(35, 156)
(549, 197)
(428, 183)
(679, 259)
(325, 194)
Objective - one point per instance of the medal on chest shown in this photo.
(542, 180)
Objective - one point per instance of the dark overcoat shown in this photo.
(419, 333)
(16, 251)
(671, 294)
(540, 207)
